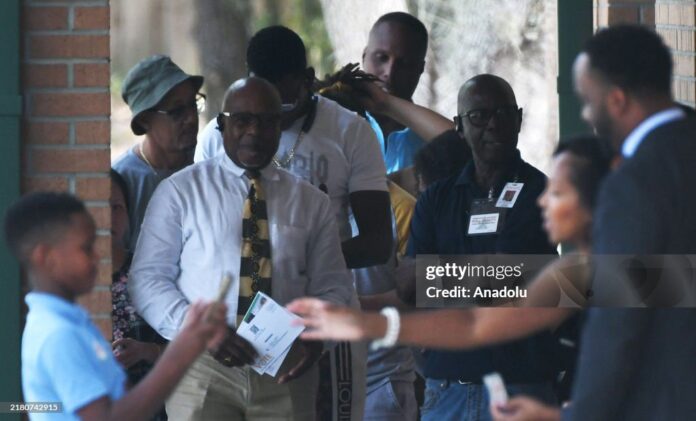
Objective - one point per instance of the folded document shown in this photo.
(268, 327)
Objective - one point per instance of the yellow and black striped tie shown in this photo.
(255, 268)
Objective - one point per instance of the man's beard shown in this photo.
(604, 127)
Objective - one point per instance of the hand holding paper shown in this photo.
(271, 331)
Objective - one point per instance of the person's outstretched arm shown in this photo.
(368, 197)
(447, 329)
(204, 327)
(426, 123)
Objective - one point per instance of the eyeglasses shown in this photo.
(480, 117)
(244, 120)
(181, 112)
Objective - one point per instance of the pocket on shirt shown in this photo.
(289, 251)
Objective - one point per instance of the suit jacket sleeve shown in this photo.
(628, 220)
(612, 343)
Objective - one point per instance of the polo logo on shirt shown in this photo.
(99, 350)
(312, 168)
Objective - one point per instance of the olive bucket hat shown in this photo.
(149, 81)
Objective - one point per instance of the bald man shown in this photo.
(286, 244)
(444, 223)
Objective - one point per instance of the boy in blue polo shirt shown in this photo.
(64, 357)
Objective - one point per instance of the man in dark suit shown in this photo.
(638, 363)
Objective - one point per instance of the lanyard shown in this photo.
(516, 179)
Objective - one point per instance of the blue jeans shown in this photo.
(393, 401)
(447, 400)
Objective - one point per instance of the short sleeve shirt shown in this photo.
(65, 358)
(141, 181)
(439, 226)
(400, 146)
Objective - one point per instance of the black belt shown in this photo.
(447, 382)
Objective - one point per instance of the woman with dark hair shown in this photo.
(579, 166)
(446, 155)
(136, 345)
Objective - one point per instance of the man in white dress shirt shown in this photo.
(337, 151)
(192, 235)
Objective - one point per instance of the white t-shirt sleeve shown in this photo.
(209, 142)
(365, 157)
(329, 278)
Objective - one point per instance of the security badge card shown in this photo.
(488, 215)
(509, 195)
(485, 217)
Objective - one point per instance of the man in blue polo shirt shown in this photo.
(490, 120)
(395, 53)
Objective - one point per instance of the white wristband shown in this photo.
(393, 328)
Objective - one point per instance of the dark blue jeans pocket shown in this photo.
(432, 395)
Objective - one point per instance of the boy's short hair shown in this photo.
(36, 218)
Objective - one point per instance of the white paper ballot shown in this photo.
(497, 394)
(274, 366)
(268, 328)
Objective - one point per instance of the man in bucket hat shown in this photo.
(165, 104)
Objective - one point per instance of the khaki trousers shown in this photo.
(210, 392)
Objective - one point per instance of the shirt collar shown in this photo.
(466, 176)
(636, 137)
(270, 172)
(377, 129)
(42, 301)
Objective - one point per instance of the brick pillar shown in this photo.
(66, 127)
(611, 12)
(675, 21)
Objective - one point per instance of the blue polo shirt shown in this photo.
(439, 226)
(401, 146)
(65, 358)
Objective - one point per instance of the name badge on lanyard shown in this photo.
(485, 218)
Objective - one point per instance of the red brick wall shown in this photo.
(676, 22)
(66, 131)
(611, 12)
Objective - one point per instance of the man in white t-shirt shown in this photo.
(337, 151)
